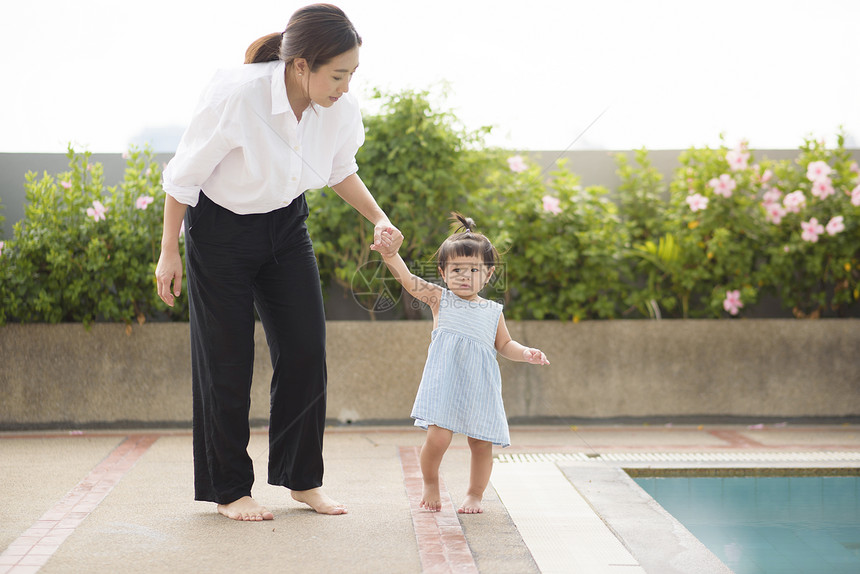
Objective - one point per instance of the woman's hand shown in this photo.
(169, 270)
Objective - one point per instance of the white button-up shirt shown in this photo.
(245, 150)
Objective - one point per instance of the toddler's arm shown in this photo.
(514, 351)
(424, 291)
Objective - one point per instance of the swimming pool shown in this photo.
(772, 524)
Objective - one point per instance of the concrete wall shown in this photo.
(63, 376)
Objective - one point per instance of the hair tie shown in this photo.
(466, 224)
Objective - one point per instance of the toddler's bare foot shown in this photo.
(246, 509)
(319, 501)
(431, 499)
(471, 505)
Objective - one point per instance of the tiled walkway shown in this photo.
(558, 502)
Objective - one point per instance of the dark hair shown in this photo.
(466, 243)
(317, 33)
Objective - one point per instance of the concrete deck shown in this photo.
(120, 501)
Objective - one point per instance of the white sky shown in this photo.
(672, 73)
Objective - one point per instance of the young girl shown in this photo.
(461, 389)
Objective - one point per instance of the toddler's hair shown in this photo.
(466, 242)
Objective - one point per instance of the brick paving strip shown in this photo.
(32, 550)
(736, 439)
(442, 545)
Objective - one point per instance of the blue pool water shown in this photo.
(783, 525)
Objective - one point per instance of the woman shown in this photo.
(262, 135)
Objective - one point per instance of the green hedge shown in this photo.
(85, 251)
(723, 234)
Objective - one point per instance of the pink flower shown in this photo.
(697, 202)
(2, 245)
(66, 184)
(794, 201)
(182, 229)
(811, 230)
(724, 185)
(771, 196)
(551, 204)
(766, 176)
(817, 170)
(732, 303)
(97, 211)
(143, 201)
(835, 225)
(821, 188)
(854, 167)
(774, 212)
(737, 159)
(855, 196)
(517, 164)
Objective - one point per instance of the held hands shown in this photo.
(534, 356)
(387, 239)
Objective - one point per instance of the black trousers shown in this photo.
(234, 264)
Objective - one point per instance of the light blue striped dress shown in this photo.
(461, 388)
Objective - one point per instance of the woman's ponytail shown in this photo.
(265, 49)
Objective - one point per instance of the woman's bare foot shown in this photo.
(319, 501)
(471, 505)
(245, 509)
(431, 499)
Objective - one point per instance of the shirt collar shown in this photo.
(280, 103)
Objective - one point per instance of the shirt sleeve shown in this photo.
(344, 164)
(203, 146)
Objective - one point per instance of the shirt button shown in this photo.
(293, 179)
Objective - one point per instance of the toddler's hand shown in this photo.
(535, 357)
